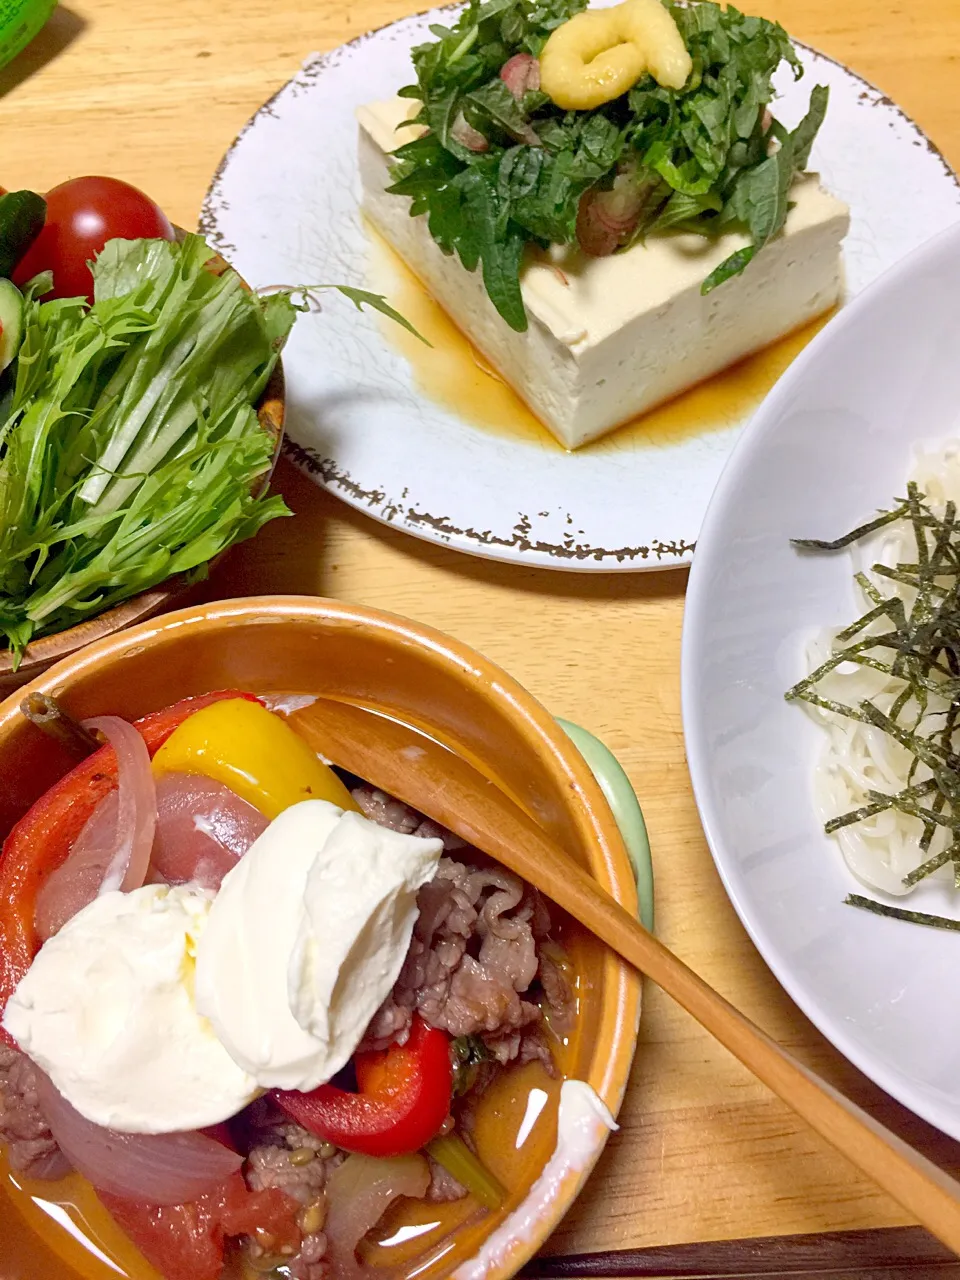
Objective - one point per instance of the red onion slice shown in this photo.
(521, 74)
(464, 133)
(137, 805)
(203, 830)
(165, 1168)
(359, 1192)
(77, 882)
(607, 219)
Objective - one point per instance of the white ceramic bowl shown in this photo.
(832, 443)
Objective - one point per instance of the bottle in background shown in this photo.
(20, 21)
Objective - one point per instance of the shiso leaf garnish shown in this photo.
(918, 644)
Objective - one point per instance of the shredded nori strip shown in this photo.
(922, 648)
(838, 544)
(901, 913)
(878, 804)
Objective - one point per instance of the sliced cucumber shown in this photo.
(11, 322)
(22, 215)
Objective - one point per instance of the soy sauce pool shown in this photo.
(455, 375)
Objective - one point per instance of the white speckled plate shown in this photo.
(283, 208)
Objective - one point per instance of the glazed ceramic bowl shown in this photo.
(298, 645)
(43, 653)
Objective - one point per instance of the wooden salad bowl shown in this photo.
(43, 653)
(304, 645)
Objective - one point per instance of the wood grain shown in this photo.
(154, 91)
(885, 1253)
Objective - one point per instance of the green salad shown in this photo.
(501, 167)
(130, 444)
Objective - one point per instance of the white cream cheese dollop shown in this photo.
(305, 940)
(107, 1010)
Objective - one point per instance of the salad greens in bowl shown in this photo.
(139, 424)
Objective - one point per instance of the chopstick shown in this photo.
(885, 1253)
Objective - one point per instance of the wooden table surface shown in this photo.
(154, 91)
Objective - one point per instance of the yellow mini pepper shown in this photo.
(255, 753)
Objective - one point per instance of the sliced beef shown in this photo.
(30, 1145)
(282, 1154)
(388, 812)
(268, 1166)
(311, 1262)
(519, 1046)
(476, 950)
(472, 957)
(534, 1048)
(444, 1187)
(478, 998)
(558, 993)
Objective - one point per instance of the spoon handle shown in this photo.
(447, 789)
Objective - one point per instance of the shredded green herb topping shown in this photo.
(695, 159)
(919, 645)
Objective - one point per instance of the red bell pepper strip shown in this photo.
(42, 839)
(403, 1099)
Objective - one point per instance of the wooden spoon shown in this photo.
(453, 793)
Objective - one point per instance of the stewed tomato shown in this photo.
(186, 1241)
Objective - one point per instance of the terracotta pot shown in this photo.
(301, 645)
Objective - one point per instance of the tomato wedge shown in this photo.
(186, 1241)
(403, 1099)
(42, 839)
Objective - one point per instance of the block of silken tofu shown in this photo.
(610, 338)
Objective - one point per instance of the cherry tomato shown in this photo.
(82, 215)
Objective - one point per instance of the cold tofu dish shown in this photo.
(253, 1003)
(602, 199)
